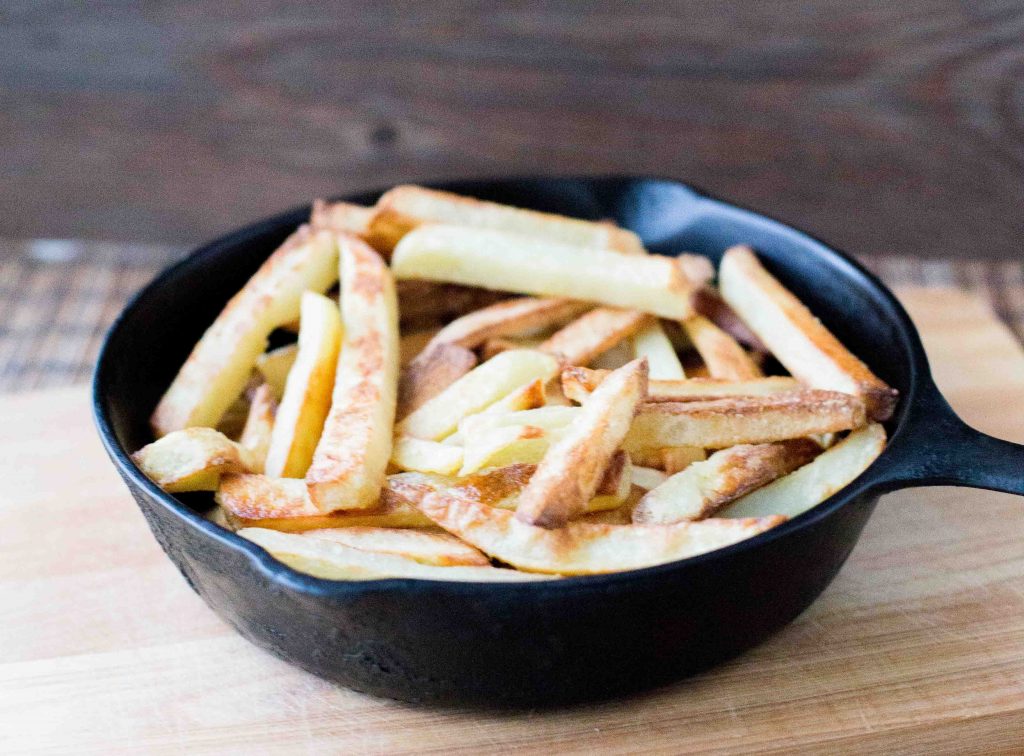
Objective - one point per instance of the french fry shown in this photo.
(350, 461)
(528, 265)
(341, 217)
(284, 504)
(216, 372)
(652, 343)
(725, 358)
(648, 477)
(307, 394)
(431, 304)
(705, 487)
(615, 486)
(810, 485)
(419, 455)
(506, 445)
(404, 208)
(593, 333)
(275, 365)
(440, 549)
(412, 344)
(192, 459)
(677, 458)
(334, 561)
(579, 382)
(568, 475)
(474, 391)
(719, 423)
(513, 317)
(709, 303)
(433, 370)
(614, 358)
(530, 396)
(499, 344)
(798, 340)
(578, 548)
(259, 426)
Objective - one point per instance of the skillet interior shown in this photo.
(521, 644)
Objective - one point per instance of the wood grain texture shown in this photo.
(918, 646)
(885, 128)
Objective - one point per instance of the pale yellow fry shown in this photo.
(705, 487)
(724, 357)
(192, 459)
(578, 548)
(403, 208)
(474, 391)
(718, 423)
(831, 471)
(350, 461)
(420, 455)
(652, 343)
(528, 265)
(259, 426)
(568, 475)
(307, 393)
(677, 458)
(218, 369)
(275, 365)
(798, 340)
(440, 549)
(341, 217)
(505, 445)
(579, 382)
(594, 333)
(513, 317)
(334, 561)
(648, 477)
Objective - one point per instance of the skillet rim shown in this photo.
(275, 571)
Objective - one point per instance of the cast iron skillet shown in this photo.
(535, 644)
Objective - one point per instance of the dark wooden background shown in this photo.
(886, 127)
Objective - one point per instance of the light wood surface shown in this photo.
(918, 646)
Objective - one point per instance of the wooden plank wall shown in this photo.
(885, 128)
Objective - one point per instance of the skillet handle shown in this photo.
(937, 448)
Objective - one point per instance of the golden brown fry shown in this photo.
(705, 487)
(677, 458)
(568, 475)
(431, 304)
(350, 461)
(719, 423)
(513, 317)
(426, 547)
(798, 340)
(579, 382)
(578, 548)
(334, 561)
(530, 265)
(725, 358)
(341, 217)
(594, 332)
(192, 459)
(259, 426)
(403, 208)
(434, 369)
(216, 372)
(499, 344)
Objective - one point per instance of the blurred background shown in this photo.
(130, 131)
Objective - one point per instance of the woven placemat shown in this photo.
(57, 298)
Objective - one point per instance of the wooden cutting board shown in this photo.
(918, 646)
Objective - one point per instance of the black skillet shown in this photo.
(535, 644)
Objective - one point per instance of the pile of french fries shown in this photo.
(614, 414)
